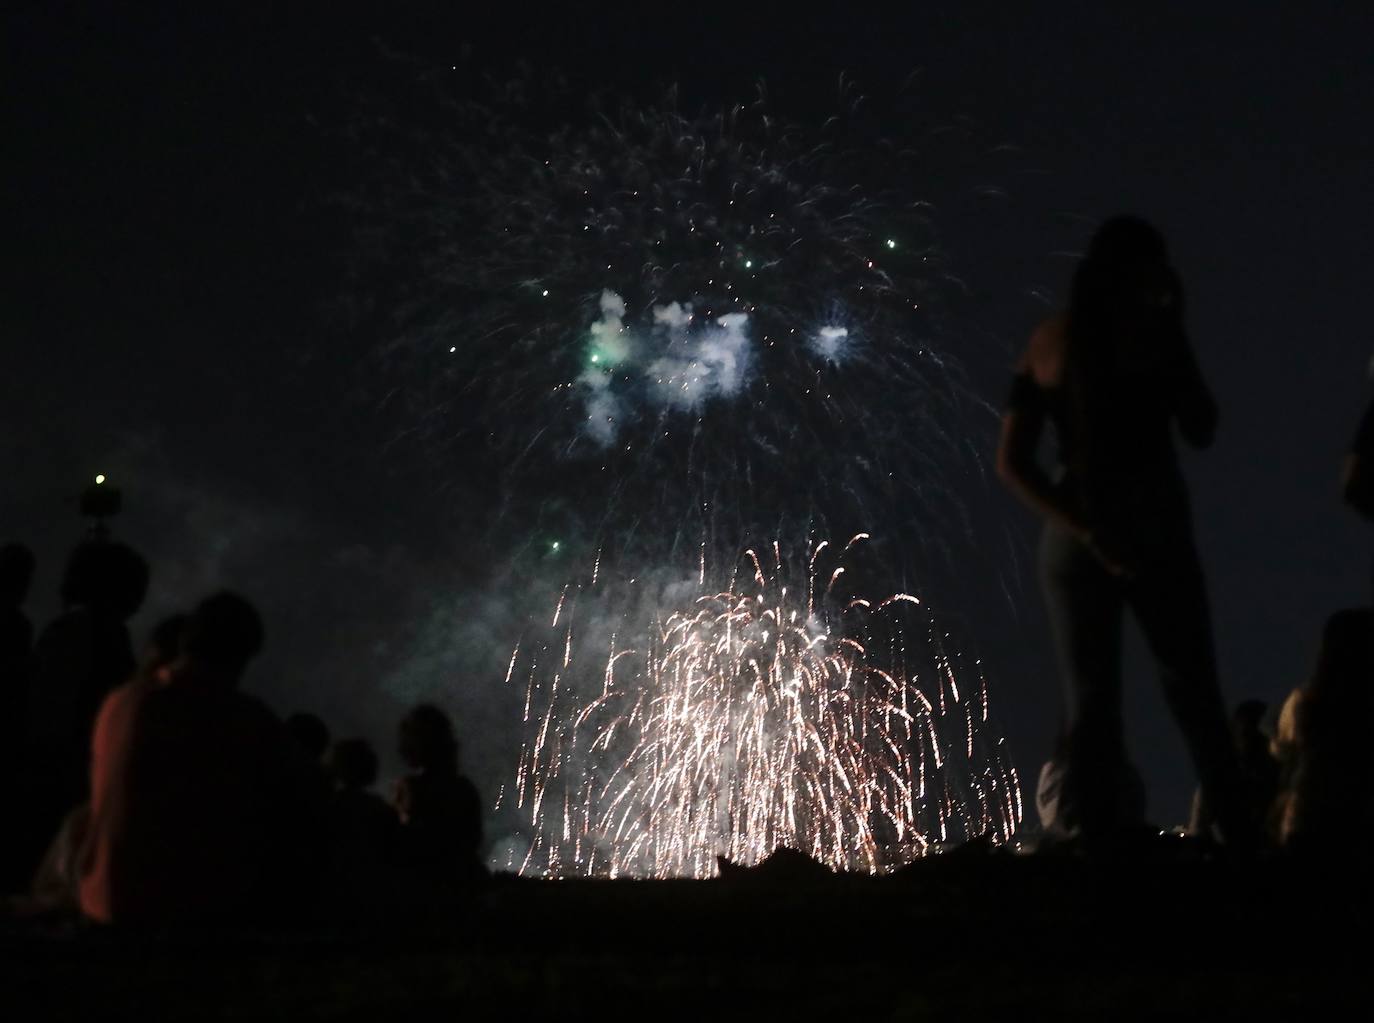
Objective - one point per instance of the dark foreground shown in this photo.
(971, 936)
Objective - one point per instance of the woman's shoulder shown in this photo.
(1043, 359)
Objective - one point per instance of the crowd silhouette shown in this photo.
(149, 788)
(188, 801)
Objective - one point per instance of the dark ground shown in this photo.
(954, 937)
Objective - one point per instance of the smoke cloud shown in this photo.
(831, 343)
(680, 362)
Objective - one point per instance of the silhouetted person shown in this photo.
(440, 810)
(310, 733)
(78, 659)
(1114, 375)
(202, 807)
(363, 826)
(56, 884)
(1259, 770)
(352, 766)
(1322, 741)
(16, 641)
(16, 644)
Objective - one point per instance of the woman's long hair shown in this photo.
(1125, 279)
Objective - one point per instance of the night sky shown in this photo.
(171, 315)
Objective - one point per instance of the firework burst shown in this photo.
(634, 316)
(647, 331)
(776, 710)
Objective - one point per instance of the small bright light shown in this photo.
(546, 292)
(891, 244)
(596, 358)
(100, 479)
(555, 545)
(453, 349)
(748, 263)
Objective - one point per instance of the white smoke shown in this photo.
(610, 347)
(673, 315)
(680, 362)
(603, 407)
(831, 343)
(609, 337)
(699, 364)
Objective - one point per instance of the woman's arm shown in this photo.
(1017, 467)
(1020, 471)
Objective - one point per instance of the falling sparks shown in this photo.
(754, 716)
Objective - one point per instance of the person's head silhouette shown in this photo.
(224, 633)
(1124, 321)
(107, 578)
(1345, 664)
(1128, 241)
(427, 742)
(353, 764)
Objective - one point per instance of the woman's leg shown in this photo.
(1085, 607)
(1170, 601)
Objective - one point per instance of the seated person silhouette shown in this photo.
(439, 809)
(1259, 770)
(56, 883)
(202, 807)
(363, 826)
(16, 642)
(77, 660)
(16, 645)
(1326, 803)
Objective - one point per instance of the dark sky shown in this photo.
(172, 268)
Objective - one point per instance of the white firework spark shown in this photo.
(756, 716)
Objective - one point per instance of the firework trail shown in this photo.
(754, 715)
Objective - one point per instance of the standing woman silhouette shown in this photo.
(1113, 375)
